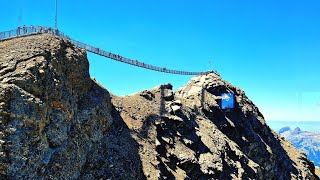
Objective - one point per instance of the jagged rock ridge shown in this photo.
(57, 123)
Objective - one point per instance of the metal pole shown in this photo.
(56, 17)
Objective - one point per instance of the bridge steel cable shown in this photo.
(30, 31)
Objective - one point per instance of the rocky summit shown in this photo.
(58, 123)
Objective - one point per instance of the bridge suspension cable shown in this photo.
(29, 31)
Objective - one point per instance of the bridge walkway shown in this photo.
(30, 31)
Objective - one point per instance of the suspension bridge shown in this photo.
(31, 31)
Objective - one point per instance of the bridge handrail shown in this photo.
(33, 30)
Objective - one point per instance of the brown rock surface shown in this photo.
(201, 141)
(57, 123)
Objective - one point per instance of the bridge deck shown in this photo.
(30, 31)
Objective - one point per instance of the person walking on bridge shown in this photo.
(18, 31)
(24, 29)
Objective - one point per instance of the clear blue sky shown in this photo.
(269, 48)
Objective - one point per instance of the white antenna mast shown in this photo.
(56, 17)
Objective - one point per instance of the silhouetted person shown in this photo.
(24, 29)
(18, 31)
(56, 32)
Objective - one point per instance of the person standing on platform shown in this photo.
(18, 31)
(24, 29)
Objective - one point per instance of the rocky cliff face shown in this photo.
(57, 123)
(185, 135)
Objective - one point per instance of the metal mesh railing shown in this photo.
(28, 31)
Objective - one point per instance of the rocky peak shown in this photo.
(192, 137)
(296, 130)
(55, 120)
(211, 83)
(284, 129)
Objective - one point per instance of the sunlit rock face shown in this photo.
(191, 136)
(58, 123)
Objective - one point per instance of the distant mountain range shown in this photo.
(307, 141)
